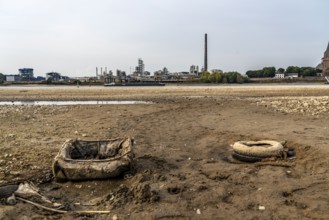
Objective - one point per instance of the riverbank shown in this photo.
(182, 151)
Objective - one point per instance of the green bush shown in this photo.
(2, 78)
(228, 77)
(265, 72)
(205, 77)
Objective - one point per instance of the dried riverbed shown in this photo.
(183, 166)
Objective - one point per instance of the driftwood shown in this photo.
(63, 211)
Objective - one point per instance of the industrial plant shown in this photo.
(139, 74)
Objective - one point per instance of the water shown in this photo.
(73, 102)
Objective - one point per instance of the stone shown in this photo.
(261, 207)
(11, 200)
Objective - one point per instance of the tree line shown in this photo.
(219, 77)
(2, 78)
(270, 71)
(303, 71)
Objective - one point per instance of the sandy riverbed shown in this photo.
(183, 165)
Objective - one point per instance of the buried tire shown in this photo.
(7, 191)
(245, 158)
(258, 149)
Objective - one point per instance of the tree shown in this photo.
(218, 77)
(252, 73)
(205, 77)
(269, 71)
(215, 77)
(225, 80)
(231, 77)
(281, 70)
(240, 79)
(2, 78)
(265, 72)
(308, 71)
(293, 69)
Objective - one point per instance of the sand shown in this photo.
(183, 163)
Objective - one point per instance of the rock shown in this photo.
(261, 207)
(114, 217)
(11, 200)
(11, 135)
(15, 173)
(198, 212)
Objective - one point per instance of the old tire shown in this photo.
(7, 191)
(260, 149)
(245, 158)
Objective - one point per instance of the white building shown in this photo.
(12, 78)
(279, 75)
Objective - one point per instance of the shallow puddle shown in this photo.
(74, 102)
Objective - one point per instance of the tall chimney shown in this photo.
(205, 53)
(96, 71)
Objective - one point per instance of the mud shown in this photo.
(183, 165)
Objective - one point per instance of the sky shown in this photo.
(73, 37)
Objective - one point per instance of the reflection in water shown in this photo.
(74, 103)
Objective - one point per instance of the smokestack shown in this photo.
(96, 71)
(205, 53)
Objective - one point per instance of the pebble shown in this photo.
(11, 200)
(11, 135)
(261, 207)
(198, 212)
(15, 173)
(114, 217)
(304, 105)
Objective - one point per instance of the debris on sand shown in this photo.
(254, 151)
(141, 193)
(88, 160)
(265, 152)
(261, 207)
(23, 190)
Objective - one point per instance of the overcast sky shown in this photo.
(73, 37)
